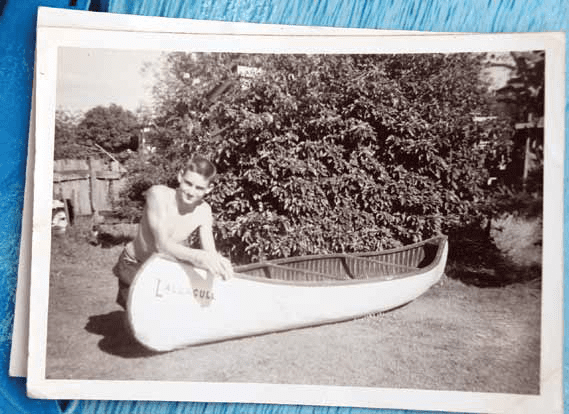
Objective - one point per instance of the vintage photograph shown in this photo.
(366, 220)
(337, 159)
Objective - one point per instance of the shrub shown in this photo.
(518, 238)
(326, 153)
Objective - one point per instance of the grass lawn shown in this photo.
(455, 337)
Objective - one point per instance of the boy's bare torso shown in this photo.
(179, 225)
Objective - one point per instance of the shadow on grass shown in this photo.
(117, 339)
(475, 260)
(108, 241)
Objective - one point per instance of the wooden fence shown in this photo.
(87, 185)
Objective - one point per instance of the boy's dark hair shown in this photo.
(202, 166)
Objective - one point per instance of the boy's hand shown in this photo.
(216, 264)
(227, 272)
(221, 267)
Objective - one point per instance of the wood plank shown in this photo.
(82, 192)
(71, 172)
(59, 178)
(108, 175)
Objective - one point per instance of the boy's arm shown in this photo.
(206, 236)
(157, 215)
(208, 244)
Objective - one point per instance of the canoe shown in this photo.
(173, 304)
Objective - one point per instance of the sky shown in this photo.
(90, 77)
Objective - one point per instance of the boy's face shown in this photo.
(193, 186)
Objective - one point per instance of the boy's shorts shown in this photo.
(125, 270)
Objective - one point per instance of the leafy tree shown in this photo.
(321, 153)
(66, 145)
(525, 92)
(113, 128)
(525, 89)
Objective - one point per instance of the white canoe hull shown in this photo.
(173, 305)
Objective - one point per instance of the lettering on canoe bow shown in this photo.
(166, 289)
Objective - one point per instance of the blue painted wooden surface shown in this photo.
(17, 39)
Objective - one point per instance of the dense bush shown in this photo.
(326, 153)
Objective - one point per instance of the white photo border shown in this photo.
(49, 39)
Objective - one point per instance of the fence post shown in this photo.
(92, 186)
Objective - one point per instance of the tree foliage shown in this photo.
(65, 140)
(322, 153)
(523, 96)
(113, 128)
(526, 87)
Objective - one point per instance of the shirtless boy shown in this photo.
(169, 218)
